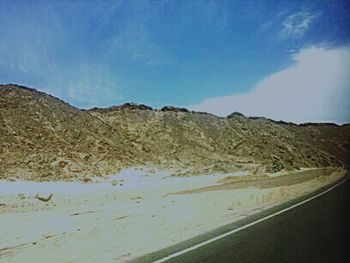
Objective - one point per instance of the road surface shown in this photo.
(316, 231)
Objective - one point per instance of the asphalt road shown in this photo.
(317, 231)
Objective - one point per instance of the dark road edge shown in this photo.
(188, 245)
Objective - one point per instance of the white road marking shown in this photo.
(204, 243)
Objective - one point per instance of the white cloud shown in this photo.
(297, 24)
(316, 88)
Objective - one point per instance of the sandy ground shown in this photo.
(133, 213)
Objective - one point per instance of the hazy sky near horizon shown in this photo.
(286, 60)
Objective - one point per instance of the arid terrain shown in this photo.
(43, 138)
(114, 184)
(107, 221)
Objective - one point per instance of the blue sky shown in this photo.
(200, 54)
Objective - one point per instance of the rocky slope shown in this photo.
(43, 138)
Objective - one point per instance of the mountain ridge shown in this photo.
(142, 106)
(45, 138)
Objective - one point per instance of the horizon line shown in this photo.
(174, 109)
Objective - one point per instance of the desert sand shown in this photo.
(133, 213)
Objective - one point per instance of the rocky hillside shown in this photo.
(209, 144)
(43, 138)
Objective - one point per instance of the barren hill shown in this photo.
(44, 138)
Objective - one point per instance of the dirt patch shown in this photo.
(230, 183)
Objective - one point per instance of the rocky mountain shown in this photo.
(44, 138)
